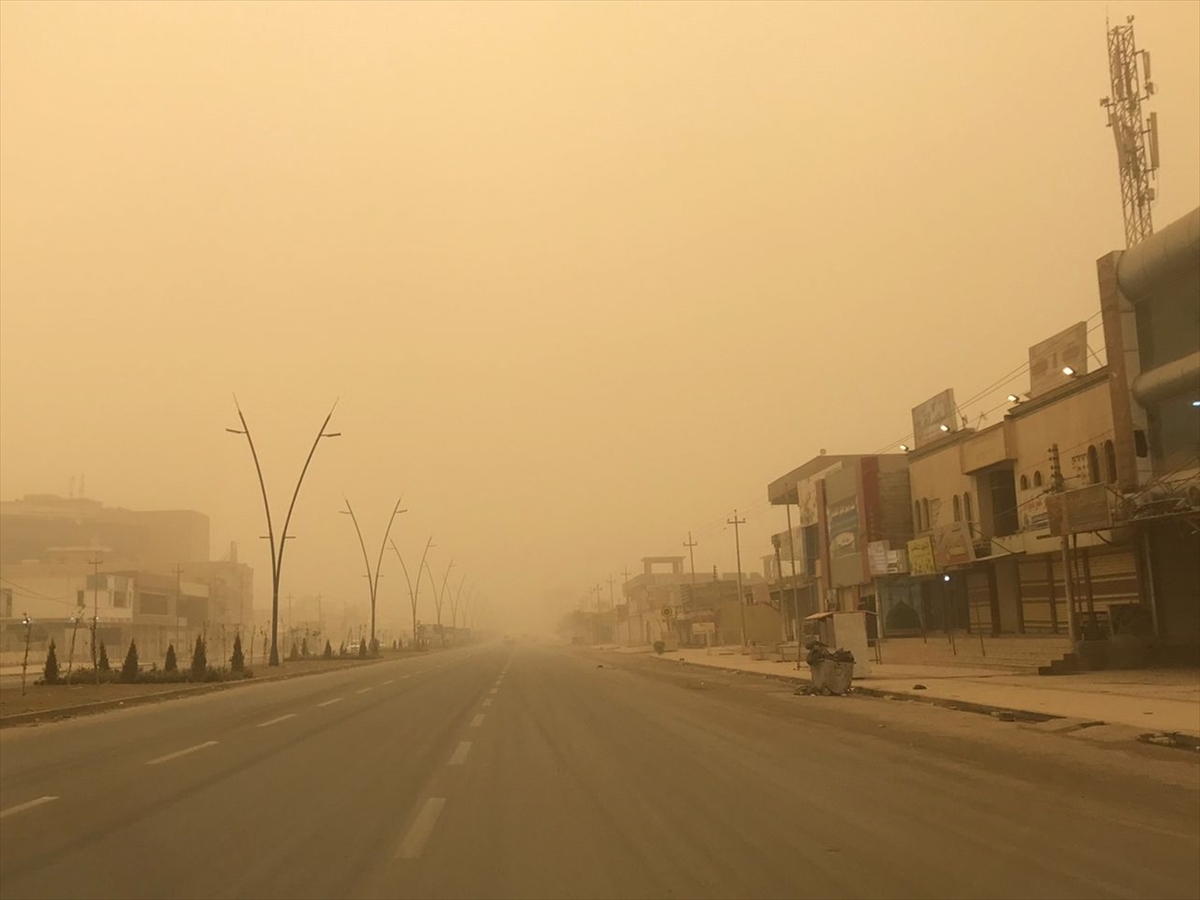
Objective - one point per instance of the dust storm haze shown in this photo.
(583, 276)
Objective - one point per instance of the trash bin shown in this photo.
(833, 671)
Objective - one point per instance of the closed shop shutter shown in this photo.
(1039, 611)
(979, 602)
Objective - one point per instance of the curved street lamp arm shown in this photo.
(454, 601)
(263, 486)
(299, 481)
(382, 544)
(366, 561)
(405, 568)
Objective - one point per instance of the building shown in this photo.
(844, 507)
(1151, 316)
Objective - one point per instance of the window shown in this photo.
(1037, 478)
(1024, 483)
(1093, 465)
(925, 514)
(957, 509)
(79, 598)
(917, 516)
(120, 599)
(8, 603)
(967, 512)
(1110, 463)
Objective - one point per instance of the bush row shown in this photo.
(131, 671)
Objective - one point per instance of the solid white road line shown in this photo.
(477, 721)
(277, 719)
(329, 702)
(389, 681)
(363, 691)
(179, 753)
(422, 827)
(460, 755)
(487, 702)
(21, 807)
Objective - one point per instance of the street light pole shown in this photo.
(413, 595)
(277, 551)
(439, 598)
(373, 581)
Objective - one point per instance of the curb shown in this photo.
(1019, 715)
(62, 712)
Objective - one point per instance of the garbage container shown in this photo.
(832, 672)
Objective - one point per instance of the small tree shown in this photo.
(342, 649)
(238, 661)
(199, 659)
(328, 649)
(103, 664)
(51, 673)
(304, 647)
(294, 654)
(362, 649)
(129, 669)
(172, 664)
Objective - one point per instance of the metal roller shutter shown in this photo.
(979, 602)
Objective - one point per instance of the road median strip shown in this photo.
(97, 706)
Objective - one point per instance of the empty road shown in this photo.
(545, 771)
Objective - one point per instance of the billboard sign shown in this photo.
(843, 527)
(806, 494)
(929, 418)
(1080, 510)
(921, 560)
(953, 546)
(1048, 359)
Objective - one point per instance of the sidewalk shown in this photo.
(1154, 700)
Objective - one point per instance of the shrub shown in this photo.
(238, 661)
(660, 647)
(50, 674)
(129, 669)
(103, 665)
(294, 653)
(172, 664)
(304, 647)
(328, 654)
(199, 659)
(396, 645)
(362, 649)
(342, 649)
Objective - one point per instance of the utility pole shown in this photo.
(28, 623)
(795, 596)
(1136, 137)
(291, 622)
(1058, 486)
(95, 564)
(320, 624)
(691, 545)
(736, 522)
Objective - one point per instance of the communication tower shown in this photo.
(1136, 136)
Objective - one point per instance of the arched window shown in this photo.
(1110, 463)
(1093, 463)
(1037, 478)
(957, 509)
(967, 512)
(925, 514)
(1024, 483)
(917, 516)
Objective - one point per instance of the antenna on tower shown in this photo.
(1136, 136)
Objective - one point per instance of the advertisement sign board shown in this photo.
(929, 418)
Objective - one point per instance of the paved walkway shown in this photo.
(1155, 700)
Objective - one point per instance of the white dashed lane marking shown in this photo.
(389, 681)
(487, 702)
(329, 702)
(21, 807)
(179, 753)
(477, 721)
(277, 719)
(363, 691)
(422, 827)
(460, 755)
(493, 690)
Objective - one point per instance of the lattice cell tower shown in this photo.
(1136, 136)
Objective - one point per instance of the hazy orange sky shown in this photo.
(584, 276)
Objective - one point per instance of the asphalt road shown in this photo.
(535, 771)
